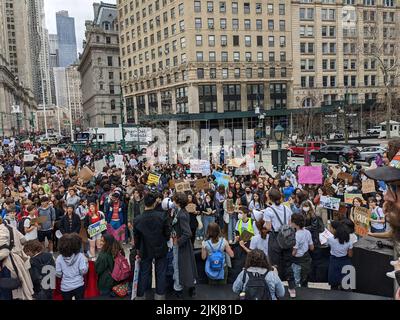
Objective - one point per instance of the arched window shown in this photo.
(308, 103)
(106, 25)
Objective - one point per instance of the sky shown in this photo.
(81, 10)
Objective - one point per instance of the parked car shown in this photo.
(298, 149)
(368, 154)
(335, 153)
(374, 130)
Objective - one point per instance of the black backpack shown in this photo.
(21, 227)
(256, 287)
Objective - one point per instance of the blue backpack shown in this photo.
(215, 262)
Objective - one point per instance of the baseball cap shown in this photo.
(390, 173)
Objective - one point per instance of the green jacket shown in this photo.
(104, 267)
(131, 214)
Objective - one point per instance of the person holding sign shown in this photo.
(377, 217)
(229, 210)
(208, 212)
(93, 216)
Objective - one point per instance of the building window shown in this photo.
(114, 119)
(112, 89)
(232, 97)
(197, 6)
(278, 96)
(255, 96)
(113, 104)
(182, 105)
(110, 61)
(208, 98)
(200, 73)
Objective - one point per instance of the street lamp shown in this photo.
(278, 134)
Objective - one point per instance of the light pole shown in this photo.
(278, 134)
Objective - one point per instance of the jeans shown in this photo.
(301, 267)
(5, 294)
(177, 285)
(145, 275)
(297, 274)
(206, 221)
(231, 227)
(78, 293)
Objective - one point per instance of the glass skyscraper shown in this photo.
(66, 39)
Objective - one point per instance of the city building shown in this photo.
(53, 62)
(17, 103)
(66, 39)
(100, 68)
(231, 64)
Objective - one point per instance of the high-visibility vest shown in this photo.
(249, 226)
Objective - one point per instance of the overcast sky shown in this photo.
(81, 10)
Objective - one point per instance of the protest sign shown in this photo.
(182, 186)
(310, 175)
(153, 179)
(29, 157)
(361, 218)
(324, 236)
(345, 177)
(135, 278)
(251, 166)
(97, 228)
(221, 178)
(29, 170)
(236, 162)
(229, 205)
(39, 220)
(171, 184)
(349, 197)
(85, 174)
(60, 163)
(191, 208)
(242, 171)
(200, 166)
(336, 171)
(368, 186)
(17, 170)
(99, 165)
(330, 203)
(44, 155)
(202, 184)
(119, 161)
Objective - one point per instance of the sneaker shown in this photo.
(292, 293)
(391, 274)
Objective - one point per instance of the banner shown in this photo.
(202, 184)
(349, 197)
(330, 203)
(310, 175)
(99, 165)
(200, 166)
(97, 228)
(182, 186)
(361, 218)
(153, 179)
(368, 186)
(221, 178)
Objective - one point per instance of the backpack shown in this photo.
(215, 262)
(21, 227)
(122, 269)
(286, 237)
(256, 287)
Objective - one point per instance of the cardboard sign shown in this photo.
(29, 157)
(171, 184)
(336, 171)
(153, 179)
(202, 184)
(39, 220)
(345, 177)
(85, 174)
(230, 207)
(99, 165)
(330, 202)
(29, 170)
(182, 186)
(361, 217)
(191, 208)
(200, 166)
(97, 228)
(60, 163)
(349, 197)
(44, 155)
(310, 175)
(368, 186)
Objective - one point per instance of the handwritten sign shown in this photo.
(29, 157)
(97, 228)
(200, 166)
(368, 186)
(236, 162)
(119, 161)
(361, 218)
(191, 208)
(310, 175)
(60, 163)
(202, 184)
(99, 165)
(229, 205)
(44, 155)
(153, 179)
(85, 174)
(345, 177)
(324, 236)
(17, 170)
(349, 197)
(182, 186)
(171, 184)
(242, 171)
(330, 202)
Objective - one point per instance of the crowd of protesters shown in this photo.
(51, 198)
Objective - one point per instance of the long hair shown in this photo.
(257, 259)
(341, 232)
(213, 232)
(111, 246)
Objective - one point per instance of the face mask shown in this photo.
(240, 216)
(306, 209)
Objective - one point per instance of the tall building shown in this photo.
(220, 64)
(100, 68)
(66, 39)
(15, 95)
(74, 94)
(53, 63)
